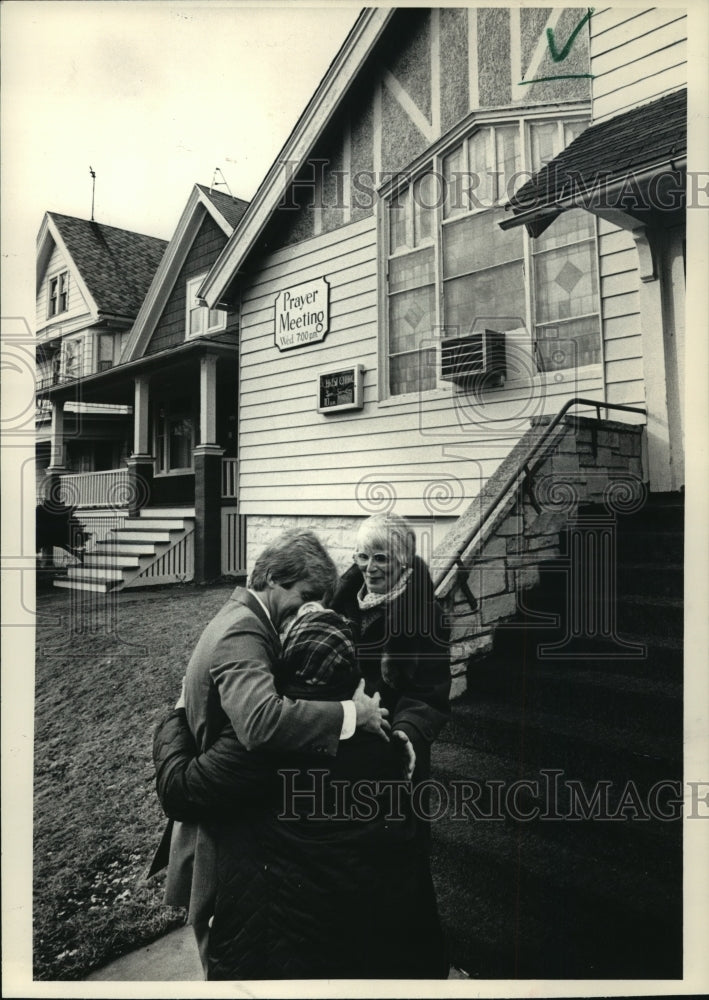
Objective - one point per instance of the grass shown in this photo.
(108, 669)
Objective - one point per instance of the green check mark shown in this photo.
(559, 56)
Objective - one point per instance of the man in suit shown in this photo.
(229, 679)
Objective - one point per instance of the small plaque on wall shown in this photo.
(340, 390)
(302, 314)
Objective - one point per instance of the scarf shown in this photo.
(367, 601)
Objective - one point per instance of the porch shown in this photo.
(110, 488)
(182, 460)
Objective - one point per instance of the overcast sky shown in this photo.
(153, 96)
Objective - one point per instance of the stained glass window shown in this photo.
(451, 265)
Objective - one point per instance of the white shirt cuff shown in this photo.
(349, 721)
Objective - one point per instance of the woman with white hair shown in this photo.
(401, 643)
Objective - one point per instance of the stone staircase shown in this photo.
(138, 553)
(525, 890)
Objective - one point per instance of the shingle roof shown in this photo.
(116, 265)
(653, 134)
(231, 208)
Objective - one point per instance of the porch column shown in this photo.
(649, 243)
(141, 430)
(140, 463)
(56, 460)
(208, 399)
(52, 482)
(208, 512)
(208, 478)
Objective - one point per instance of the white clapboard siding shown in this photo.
(620, 327)
(622, 331)
(636, 56)
(353, 243)
(294, 460)
(77, 304)
(441, 416)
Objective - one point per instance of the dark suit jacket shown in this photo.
(229, 679)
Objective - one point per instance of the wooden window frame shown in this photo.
(459, 138)
(167, 404)
(58, 294)
(190, 307)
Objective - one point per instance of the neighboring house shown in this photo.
(91, 282)
(175, 374)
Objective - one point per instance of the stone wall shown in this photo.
(587, 461)
(336, 533)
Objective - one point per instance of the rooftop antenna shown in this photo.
(93, 190)
(222, 183)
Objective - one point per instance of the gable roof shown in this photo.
(115, 265)
(226, 212)
(649, 138)
(231, 209)
(318, 113)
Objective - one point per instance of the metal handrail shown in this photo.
(524, 469)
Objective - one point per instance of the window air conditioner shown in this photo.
(477, 359)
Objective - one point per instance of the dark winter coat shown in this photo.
(402, 651)
(306, 889)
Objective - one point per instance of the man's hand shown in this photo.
(181, 699)
(409, 761)
(370, 716)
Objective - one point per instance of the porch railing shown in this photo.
(230, 478)
(95, 489)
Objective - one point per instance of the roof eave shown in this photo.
(50, 231)
(317, 115)
(168, 269)
(194, 346)
(538, 217)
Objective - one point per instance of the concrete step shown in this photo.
(667, 581)
(579, 689)
(155, 523)
(150, 535)
(96, 559)
(95, 573)
(513, 884)
(117, 547)
(597, 747)
(651, 616)
(661, 513)
(655, 657)
(167, 512)
(660, 546)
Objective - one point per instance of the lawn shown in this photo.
(108, 668)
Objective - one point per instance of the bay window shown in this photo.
(451, 268)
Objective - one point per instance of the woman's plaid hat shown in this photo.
(319, 649)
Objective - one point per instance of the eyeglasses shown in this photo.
(380, 559)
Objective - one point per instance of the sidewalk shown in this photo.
(170, 958)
